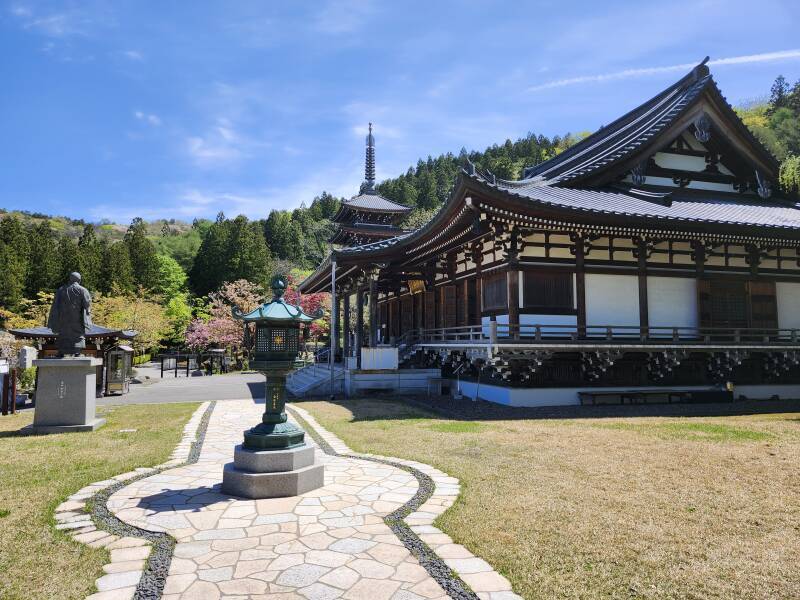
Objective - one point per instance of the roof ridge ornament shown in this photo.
(638, 173)
(369, 166)
(469, 166)
(764, 188)
(278, 287)
(702, 128)
(701, 70)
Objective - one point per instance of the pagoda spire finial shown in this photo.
(369, 168)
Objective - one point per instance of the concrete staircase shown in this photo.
(315, 380)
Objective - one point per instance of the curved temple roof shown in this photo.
(95, 331)
(631, 132)
(582, 183)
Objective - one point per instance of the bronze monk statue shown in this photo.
(70, 316)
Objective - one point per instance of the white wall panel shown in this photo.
(672, 302)
(788, 297)
(612, 299)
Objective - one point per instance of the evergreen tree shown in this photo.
(208, 270)
(68, 255)
(143, 255)
(14, 261)
(278, 233)
(117, 272)
(90, 258)
(778, 93)
(44, 276)
(248, 255)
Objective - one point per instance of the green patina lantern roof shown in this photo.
(277, 309)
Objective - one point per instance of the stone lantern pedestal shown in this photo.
(65, 395)
(274, 461)
(272, 473)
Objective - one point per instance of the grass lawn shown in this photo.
(38, 472)
(648, 507)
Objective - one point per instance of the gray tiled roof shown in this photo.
(94, 331)
(379, 245)
(374, 201)
(624, 136)
(716, 209)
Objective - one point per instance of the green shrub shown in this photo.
(142, 358)
(26, 378)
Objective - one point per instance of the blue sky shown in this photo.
(116, 109)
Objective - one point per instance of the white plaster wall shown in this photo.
(532, 397)
(788, 297)
(766, 392)
(379, 358)
(672, 302)
(612, 300)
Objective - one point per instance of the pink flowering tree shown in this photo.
(218, 328)
(310, 304)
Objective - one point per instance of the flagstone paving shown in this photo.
(325, 544)
(328, 543)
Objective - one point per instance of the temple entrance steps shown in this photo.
(315, 380)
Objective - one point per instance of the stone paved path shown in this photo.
(328, 543)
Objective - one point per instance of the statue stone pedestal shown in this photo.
(65, 395)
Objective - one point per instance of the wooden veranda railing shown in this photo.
(502, 333)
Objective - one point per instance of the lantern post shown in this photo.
(274, 459)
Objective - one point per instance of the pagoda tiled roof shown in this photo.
(373, 201)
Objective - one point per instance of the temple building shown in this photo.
(368, 217)
(652, 261)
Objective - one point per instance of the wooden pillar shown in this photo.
(359, 324)
(477, 258)
(580, 286)
(4, 391)
(346, 324)
(512, 281)
(373, 313)
(644, 317)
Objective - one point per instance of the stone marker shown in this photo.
(65, 395)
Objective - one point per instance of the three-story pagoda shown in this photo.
(368, 217)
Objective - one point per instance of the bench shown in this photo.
(634, 397)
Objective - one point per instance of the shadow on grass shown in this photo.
(419, 407)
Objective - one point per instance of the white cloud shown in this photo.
(134, 55)
(338, 17)
(59, 24)
(221, 145)
(148, 118)
(645, 71)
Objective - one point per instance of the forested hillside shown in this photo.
(175, 265)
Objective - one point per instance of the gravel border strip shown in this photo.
(153, 578)
(151, 585)
(450, 582)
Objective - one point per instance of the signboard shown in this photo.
(416, 286)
